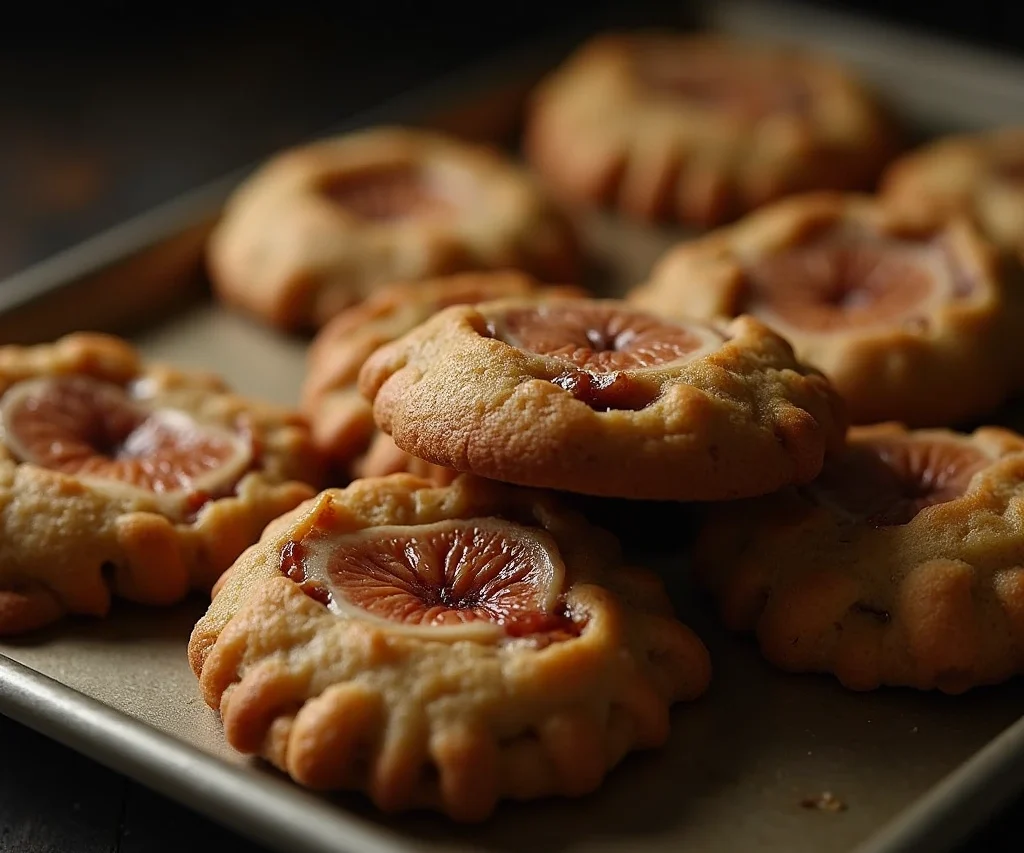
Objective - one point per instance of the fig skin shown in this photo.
(72, 542)
(948, 352)
(93, 430)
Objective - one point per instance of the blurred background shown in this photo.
(107, 109)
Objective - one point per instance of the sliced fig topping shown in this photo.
(889, 482)
(387, 193)
(847, 281)
(88, 428)
(452, 573)
(722, 83)
(601, 338)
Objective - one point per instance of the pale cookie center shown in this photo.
(727, 84)
(844, 282)
(448, 574)
(388, 193)
(88, 428)
(890, 482)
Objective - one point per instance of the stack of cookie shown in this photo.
(440, 628)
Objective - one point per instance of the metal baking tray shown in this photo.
(914, 771)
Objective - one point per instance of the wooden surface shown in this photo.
(103, 115)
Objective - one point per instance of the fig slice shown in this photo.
(481, 577)
(602, 338)
(387, 193)
(722, 83)
(93, 430)
(888, 482)
(846, 281)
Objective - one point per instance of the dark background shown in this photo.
(107, 109)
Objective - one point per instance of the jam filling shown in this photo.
(606, 392)
(293, 566)
(387, 193)
(84, 427)
(887, 483)
(843, 282)
(446, 574)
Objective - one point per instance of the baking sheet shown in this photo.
(742, 763)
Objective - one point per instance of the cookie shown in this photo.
(442, 648)
(118, 478)
(318, 228)
(980, 176)
(341, 418)
(901, 565)
(596, 397)
(701, 129)
(911, 322)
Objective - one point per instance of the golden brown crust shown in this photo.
(342, 420)
(289, 254)
(980, 176)
(951, 353)
(601, 130)
(936, 602)
(68, 544)
(439, 717)
(740, 417)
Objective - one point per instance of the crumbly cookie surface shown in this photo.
(318, 228)
(900, 565)
(342, 420)
(980, 176)
(442, 647)
(118, 478)
(702, 129)
(596, 397)
(911, 322)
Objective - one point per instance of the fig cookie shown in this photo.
(901, 565)
(980, 176)
(701, 129)
(342, 419)
(320, 227)
(118, 478)
(593, 396)
(914, 323)
(442, 647)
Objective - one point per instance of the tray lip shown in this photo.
(937, 820)
(963, 799)
(275, 811)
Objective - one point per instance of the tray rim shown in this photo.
(276, 811)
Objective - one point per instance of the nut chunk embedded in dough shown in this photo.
(442, 647)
